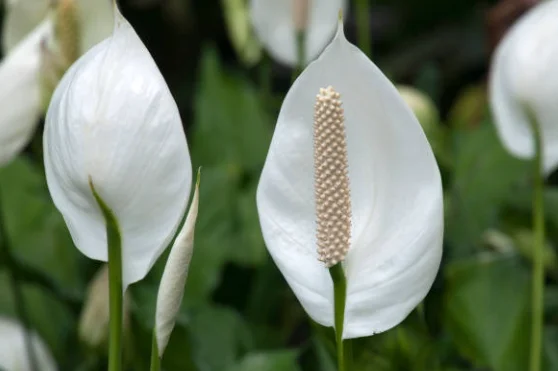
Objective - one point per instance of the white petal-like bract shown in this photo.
(21, 17)
(20, 93)
(395, 189)
(171, 289)
(274, 24)
(524, 78)
(113, 122)
(13, 349)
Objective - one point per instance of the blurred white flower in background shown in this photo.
(276, 23)
(113, 125)
(33, 51)
(394, 184)
(13, 349)
(524, 82)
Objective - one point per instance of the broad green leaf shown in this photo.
(284, 360)
(218, 336)
(486, 302)
(485, 177)
(36, 230)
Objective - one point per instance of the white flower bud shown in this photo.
(94, 320)
(174, 277)
(14, 352)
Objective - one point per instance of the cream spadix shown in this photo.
(113, 122)
(276, 23)
(350, 177)
(523, 84)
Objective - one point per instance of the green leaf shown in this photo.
(218, 336)
(284, 360)
(231, 124)
(486, 305)
(485, 177)
(37, 232)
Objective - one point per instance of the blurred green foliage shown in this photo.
(238, 313)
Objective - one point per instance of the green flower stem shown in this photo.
(538, 254)
(300, 54)
(19, 301)
(339, 298)
(363, 25)
(155, 360)
(114, 242)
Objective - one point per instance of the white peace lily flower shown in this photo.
(361, 187)
(13, 349)
(171, 289)
(20, 70)
(20, 93)
(276, 23)
(523, 79)
(113, 124)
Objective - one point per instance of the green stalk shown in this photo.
(19, 301)
(155, 360)
(363, 25)
(114, 242)
(537, 313)
(300, 54)
(339, 298)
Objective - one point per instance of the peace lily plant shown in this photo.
(295, 32)
(41, 39)
(350, 197)
(117, 162)
(523, 94)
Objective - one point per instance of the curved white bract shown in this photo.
(523, 83)
(274, 24)
(113, 122)
(13, 349)
(395, 189)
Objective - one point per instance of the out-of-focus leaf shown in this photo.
(231, 124)
(37, 232)
(284, 360)
(486, 306)
(551, 348)
(218, 336)
(485, 177)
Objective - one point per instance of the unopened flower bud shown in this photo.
(174, 277)
(94, 320)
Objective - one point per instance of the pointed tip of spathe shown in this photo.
(340, 24)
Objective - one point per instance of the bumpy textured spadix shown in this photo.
(524, 78)
(112, 119)
(333, 200)
(275, 24)
(394, 187)
(13, 349)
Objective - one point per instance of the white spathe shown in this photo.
(13, 349)
(524, 78)
(396, 196)
(113, 121)
(20, 94)
(274, 24)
